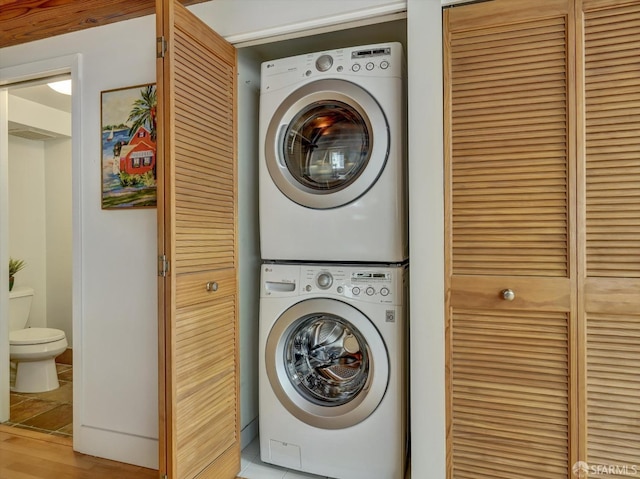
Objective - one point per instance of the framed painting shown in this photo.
(128, 147)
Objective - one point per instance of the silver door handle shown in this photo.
(212, 286)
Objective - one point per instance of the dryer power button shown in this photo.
(324, 62)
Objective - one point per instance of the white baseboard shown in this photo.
(248, 433)
(127, 448)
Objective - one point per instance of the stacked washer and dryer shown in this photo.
(334, 244)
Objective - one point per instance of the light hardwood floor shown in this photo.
(28, 455)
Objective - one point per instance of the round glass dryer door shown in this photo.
(327, 363)
(327, 144)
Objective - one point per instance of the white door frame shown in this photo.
(8, 76)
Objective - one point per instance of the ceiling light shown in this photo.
(63, 86)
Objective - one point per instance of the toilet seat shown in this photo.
(35, 336)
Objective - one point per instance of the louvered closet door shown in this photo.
(509, 189)
(611, 265)
(197, 210)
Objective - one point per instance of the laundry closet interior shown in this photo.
(384, 30)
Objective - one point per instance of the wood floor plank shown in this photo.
(28, 455)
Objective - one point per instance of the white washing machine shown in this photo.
(332, 163)
(332, 369)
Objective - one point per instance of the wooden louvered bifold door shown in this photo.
(610, 190)
(511, 311)
(199, 363)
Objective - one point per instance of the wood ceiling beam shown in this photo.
(23, 21)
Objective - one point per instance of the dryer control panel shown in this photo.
(372, 284)
(382, 60)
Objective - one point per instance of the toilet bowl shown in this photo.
(33, 350)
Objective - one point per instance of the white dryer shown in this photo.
(332, 369)
(332, 162)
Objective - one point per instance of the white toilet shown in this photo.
(33, 350)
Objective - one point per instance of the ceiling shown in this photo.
(40, 93)
(44, 95)
(23, 21)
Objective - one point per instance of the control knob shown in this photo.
(324, 62)
(324, 280)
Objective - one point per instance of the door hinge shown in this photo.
(164, 476)
(161, 47)
(163, 265)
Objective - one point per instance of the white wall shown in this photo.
(27, 222)
(426, 240)
(4, 255)
(248, 101)
(57, 171)
(40, 213)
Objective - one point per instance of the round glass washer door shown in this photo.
(327, 363)
(327, 144)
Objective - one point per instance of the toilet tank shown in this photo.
(19, 307)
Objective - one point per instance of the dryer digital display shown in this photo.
(374, 52)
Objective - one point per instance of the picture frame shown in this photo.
(128, 147)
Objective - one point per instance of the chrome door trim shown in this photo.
(327, 417)
(323, 90)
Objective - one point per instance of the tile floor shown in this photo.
(50, 412)
(251, 467)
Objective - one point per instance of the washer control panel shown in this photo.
(372, 284)
(365, 284)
